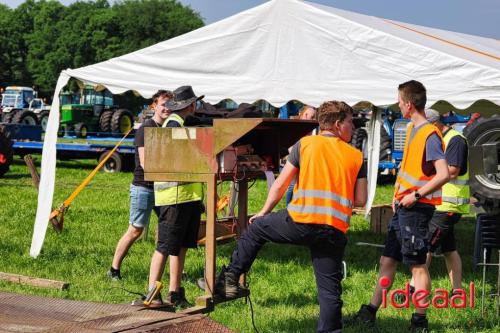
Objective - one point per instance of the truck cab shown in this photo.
(16, 98)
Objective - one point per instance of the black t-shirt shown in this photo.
(139, 142)
(456, 153)
(294, 159)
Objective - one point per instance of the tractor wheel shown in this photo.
(6, 152)
(484, 186)
(113, 164)
(122, 121)
(105, 121)
(81, 130)
(43, 119)
(7, 116)
(358, 139)
(25, 117)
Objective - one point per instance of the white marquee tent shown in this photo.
(290, 49)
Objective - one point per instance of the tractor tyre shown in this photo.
(113, 164)
(81, 130)
(358, 139)
(6, 152)
(25, 117)
(485, 187)
(122, 121)
(43, 119)
(105, 121)
(7, 116)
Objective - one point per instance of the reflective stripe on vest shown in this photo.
(324, 190)
(456, 192)
(411, 176)
(171, 193)
(320, 194)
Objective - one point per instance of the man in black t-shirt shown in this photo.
(141, 191)
(455, 200)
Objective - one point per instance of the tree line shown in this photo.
(38, 39)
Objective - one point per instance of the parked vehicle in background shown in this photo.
(95, 112)
(15, 105)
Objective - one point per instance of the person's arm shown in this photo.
(456, 156)
(277, 190)
(360, 192)
(139, 143)
(442, 177)
(454, 171)
(435, 155)
(140, 151)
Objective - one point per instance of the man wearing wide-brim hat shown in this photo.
(180, 210)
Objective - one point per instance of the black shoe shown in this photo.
(178, 299)
(227, 286)
(418, 324)
(114, 274)
(365, 316)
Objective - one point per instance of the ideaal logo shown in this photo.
(439, 300)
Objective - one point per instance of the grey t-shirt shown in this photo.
(433, 152)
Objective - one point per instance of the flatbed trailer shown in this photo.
(27, 139)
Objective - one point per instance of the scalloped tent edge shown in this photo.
(290, 49)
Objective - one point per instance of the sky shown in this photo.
(476, 17)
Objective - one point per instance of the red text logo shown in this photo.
(440, 299)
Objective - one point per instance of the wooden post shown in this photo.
(33, 281)
(32, 169)
(242, 206)
(242, 214)
(233, 191)
(210, 244)
(36, 182)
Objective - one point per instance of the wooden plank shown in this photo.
(210, 244)
(380, 217)
(34, 281)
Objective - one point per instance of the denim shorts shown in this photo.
(142, 202)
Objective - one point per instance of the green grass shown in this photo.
(281, 280)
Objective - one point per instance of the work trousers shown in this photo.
(326, 245)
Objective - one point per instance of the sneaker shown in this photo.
(114, 274)
(227, 286)
(365, 316)
(418, 324)
(178, 299)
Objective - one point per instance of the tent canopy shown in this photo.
(288, 49)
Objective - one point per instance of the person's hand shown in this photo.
(394, 204)
(259, 214)
(408, 200)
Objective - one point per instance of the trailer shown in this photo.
(27, 139)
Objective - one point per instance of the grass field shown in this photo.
(281, 280)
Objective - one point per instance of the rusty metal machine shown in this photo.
(232, 149)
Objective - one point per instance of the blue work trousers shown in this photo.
(326, 245)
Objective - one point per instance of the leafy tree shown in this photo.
(40, 38)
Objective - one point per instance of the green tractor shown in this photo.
(94, 113)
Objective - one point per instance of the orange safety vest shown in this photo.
(411, 176)
(324, 190)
